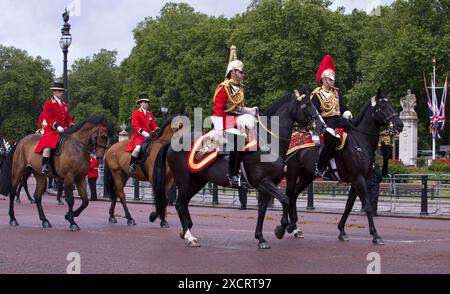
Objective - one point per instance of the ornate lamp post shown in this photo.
(164, 111)
(64, 42)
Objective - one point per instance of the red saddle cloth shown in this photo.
(302, 140)
(204, 152)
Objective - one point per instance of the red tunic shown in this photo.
(54, 114)
(93, 172)
(140, 122)
(222, 103)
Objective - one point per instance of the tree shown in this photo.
(95, 86)
(24, 87)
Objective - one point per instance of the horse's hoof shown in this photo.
(182, 234)
(13, 223)
(264, 245)
(131, 222)
(193, 243)
(60, 202)
(377, 241)
(46, 224)
(343, 237)
(112, 220)
(18, 201)
(74, 228)
(152, 217)
(279, 232)
(290, 228)
(299, 235)
(164, 225)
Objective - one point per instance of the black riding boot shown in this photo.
(330, 145)
(234, 166)
(45, 165)
(132, 168)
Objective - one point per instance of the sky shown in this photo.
(35, 25)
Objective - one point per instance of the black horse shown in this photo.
(354, 162)
(264, 176)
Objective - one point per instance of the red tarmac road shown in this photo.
(226, 236)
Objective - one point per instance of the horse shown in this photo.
(264, 176)
(71, 164)
(117, 160)
(354, 163)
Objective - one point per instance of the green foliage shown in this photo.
(396, 167)
(440, 167)
(95, 86)
(421, 161)
(24, 86)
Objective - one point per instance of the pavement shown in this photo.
(227, 244)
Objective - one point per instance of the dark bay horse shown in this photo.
(354, 162)
(118, 162)
(72, 164)
(262, 175)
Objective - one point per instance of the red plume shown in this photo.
(327, 63)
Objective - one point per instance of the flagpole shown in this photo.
(434, 134)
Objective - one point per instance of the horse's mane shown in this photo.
(358, 118)
(95, 120)
(277, 104)
(164, 125)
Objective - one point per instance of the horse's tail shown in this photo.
(158, 184)
(109, 183)
(6, 173)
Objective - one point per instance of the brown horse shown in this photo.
(71, 164)
(118, 161)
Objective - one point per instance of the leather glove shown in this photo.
(60, 129)
(145, 134)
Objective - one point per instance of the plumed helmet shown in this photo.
(326, 69)
(233, 62)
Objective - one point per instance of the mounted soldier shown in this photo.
(228, 106)
(333, 109)
(58, 119)
(144, 126)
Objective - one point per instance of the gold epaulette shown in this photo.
(315, 92)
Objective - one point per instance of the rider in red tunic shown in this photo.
(144, 125)
(56, 114)
(228, 106)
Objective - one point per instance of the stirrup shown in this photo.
(45, 169)
(132, 168)
(235, 181)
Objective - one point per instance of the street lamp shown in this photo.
(164, 111)
(64, 42)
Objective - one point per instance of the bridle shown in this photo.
(313, 115)
(92, 145)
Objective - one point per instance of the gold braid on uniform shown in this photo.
(329, 106)
(236, 100)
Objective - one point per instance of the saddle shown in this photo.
(205, 152)
(145, 151)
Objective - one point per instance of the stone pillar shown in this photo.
(408, 138)
(123, 135)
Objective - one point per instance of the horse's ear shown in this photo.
(299, 96)
(379, 95)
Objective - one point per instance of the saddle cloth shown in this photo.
(205, 152)
(302, 140)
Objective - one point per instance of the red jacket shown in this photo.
(222, 103)
(140, 122)
(93, 172)
(55, 115)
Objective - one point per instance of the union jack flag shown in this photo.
(436, 111)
